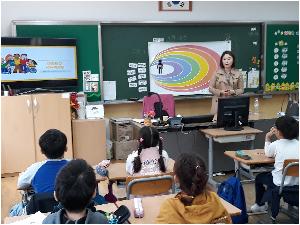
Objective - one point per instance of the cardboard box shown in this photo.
(121, 131)
(122, 149)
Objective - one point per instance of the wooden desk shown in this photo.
(223, 136)
(117, 171)
(152, 205)
(257, 157)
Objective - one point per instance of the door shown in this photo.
(17, 134)
(52, 111)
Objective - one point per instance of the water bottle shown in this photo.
(256, 106)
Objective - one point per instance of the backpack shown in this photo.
(232, 191)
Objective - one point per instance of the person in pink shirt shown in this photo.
(150, 158)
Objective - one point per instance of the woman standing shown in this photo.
(227, 81)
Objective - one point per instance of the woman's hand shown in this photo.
(232, 92)
(225, 93)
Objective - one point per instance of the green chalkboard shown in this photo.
(87, 46)
(282, 57)
(128, 43)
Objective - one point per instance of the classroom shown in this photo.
(167, 102)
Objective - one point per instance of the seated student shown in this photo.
(150, 158)
(286, 130)
(41, 175)
(75, 186)
(195, 203)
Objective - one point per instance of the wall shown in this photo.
(145, 11)
(148, 11)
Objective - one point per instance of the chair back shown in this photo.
(43, 202)
(290, 168)
(167, 101)
(149, 185)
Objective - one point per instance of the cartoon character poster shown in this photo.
(184, 68)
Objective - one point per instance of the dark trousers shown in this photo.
(262, 180)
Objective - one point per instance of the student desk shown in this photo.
(258, 157)
(117, 170)
(223, 136)
(151, 206)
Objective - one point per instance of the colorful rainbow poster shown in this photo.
(184, 68)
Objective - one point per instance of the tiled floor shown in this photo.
(10, 196)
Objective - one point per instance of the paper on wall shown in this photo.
(130, 72)
(142, 76)
(133, 65)
(253, 78)
(94, 111)
(142, 82)
(132, 84)
(130, 79)
(94, 77)
(109, 89)
(142, 65)
(142, 70)
(143, 89)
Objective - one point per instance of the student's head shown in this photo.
(190, 172)
(149, 137)
(75, 185)
(53, 144)
(288, 127)
(227, 60)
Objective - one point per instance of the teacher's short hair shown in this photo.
(228, 53)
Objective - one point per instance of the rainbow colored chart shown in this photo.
(184, 69)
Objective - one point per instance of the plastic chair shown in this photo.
(149, 185)
(289, 194)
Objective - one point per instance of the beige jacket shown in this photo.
(222, 81)
(205, 208)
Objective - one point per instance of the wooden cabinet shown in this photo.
(17, 134)
(89, 140)
(23, 120)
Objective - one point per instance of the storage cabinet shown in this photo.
(23, 120)
(89, 140)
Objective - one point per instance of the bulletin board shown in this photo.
(282, 57)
